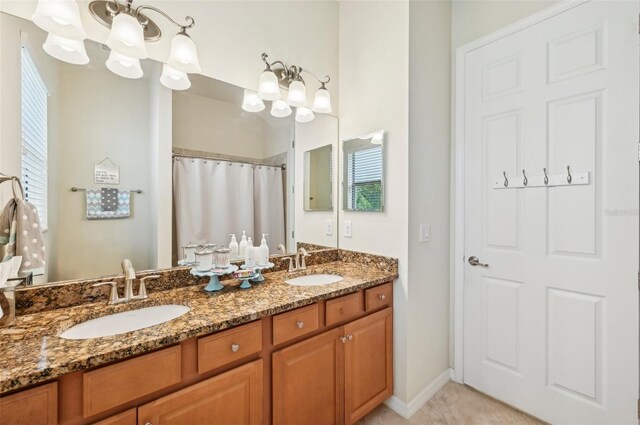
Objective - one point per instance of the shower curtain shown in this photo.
(213, 199)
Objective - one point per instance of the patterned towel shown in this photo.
(100, 209)
(20, 231)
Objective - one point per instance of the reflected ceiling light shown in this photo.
(377, 138)
(174, 79)
(304, 114)
(252, 102)
(60, 17)
(124, 66)
(66, 49)
(279, 75)
(280, 109)
(322, 101)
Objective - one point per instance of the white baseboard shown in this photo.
(406, 410)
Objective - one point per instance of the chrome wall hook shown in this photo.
(546, 178)
(525, 181)
(569, 178)
(506, 180)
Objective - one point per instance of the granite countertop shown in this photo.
(32, 352)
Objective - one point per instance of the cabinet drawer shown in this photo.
(37, 406)
(379, 296)
(343, 308)
(111, 386)
(130, 417)
(225, 347)
(293, 324)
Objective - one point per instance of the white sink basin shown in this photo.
(126, 321)
(314, 280)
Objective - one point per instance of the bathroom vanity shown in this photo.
(276, 353)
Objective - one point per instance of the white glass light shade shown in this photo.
(280, 109)
(322, 102)
(183, 55)
(304, 114)
(61, 17)
(252, 102)
(124, 66)
(174, 79)
(127, 36)
(268, 88)
(66, 49)
(297, 94)
(377, 138)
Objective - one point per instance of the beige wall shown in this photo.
(374, 87)
(472, 19)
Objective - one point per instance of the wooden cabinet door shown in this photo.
(232, 398)
(37, 406)
(128, 417)
(308, 381)
(368, 366)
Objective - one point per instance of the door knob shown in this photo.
(473, 260)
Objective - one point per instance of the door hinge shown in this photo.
(293, 144)
(293, 234)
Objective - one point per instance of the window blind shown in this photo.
(364, 177)
(34, 137)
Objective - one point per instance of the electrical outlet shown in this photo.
(347, 228)
(425, 232)
(328, 227)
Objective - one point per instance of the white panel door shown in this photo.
(551, 323)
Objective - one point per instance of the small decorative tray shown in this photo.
(214, 282)
(258, 278)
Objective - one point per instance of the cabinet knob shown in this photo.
(235, 347)
(349, 337)
(343, 339)
(300, 324)
(148, 423)
(382, 297)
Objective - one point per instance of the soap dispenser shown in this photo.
(263, 251)
(233, 246)
(249, 253)
(243, 244)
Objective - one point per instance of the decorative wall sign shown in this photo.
(106, 172)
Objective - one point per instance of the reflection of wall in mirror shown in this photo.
(93, 114)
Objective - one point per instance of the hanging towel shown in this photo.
(21, 233)
(108, 203)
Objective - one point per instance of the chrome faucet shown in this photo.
(300, 263)
(129, 277)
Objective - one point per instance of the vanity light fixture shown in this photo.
(252, 102)
(278, 75)
(66, 49)
(130, 29)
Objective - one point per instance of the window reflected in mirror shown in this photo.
(318, 179)
(363, 183)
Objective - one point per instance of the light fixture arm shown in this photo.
(293, 72)
(190, 21)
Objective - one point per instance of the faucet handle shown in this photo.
(142, 292)
(291, 267)
(113, 293)
(304, 253)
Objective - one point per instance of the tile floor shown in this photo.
(454, 404)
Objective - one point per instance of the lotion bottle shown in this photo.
(233, 246)
(263, 251)
(249, 253)
(243, 244)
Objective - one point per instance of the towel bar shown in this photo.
(76, 189)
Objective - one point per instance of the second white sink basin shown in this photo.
(124, 322)
(314, 280)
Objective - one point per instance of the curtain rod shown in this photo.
(213, 158)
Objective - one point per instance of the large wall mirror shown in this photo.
(363, 172)
(193, 166)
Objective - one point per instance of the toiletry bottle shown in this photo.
(233, 246)
(249, 253)
(263, 251)
(243, 244)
